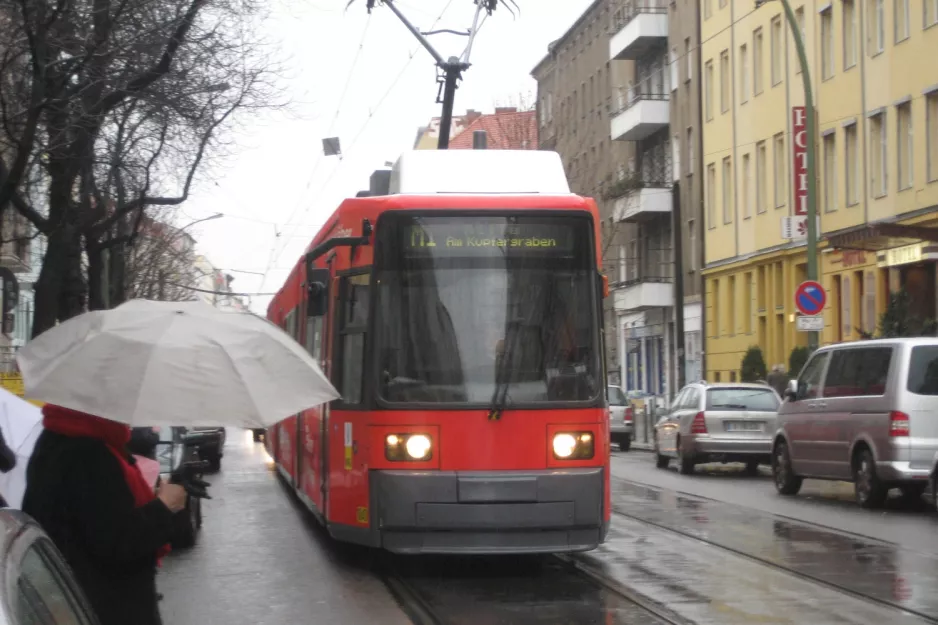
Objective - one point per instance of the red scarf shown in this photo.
(115, 435)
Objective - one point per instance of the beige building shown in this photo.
(575, 91)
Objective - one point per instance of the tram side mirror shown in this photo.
(317, 290)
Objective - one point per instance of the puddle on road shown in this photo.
(861, 565)
(711, 586)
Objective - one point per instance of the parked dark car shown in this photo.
(171, 452)
(37, 584)
(211, 446)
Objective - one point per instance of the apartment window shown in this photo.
(715, 309)
(757, 62)
(878, 155)
(904, 157)
(725, 81)
(850, 33)
(743, 74)
(711, 195)
(903, 18)
(827, 44)
(931, 141)
(799, 18)
(930, 12)
(727, 190)
(690, 151)
(775, 43)
(731, 304)
(747, 188)
(877, 31)
(851, 165)
(692, 244)
(689, 59)
(779, 173)
(676, 157)
(830, 172)
(708, 91)
(747, 304)
(707, 9)
(760, 177)
(673, 66)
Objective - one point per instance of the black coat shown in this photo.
(77, 492)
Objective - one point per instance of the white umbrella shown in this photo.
(150, 363)
(21, 423)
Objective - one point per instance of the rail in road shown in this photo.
(860, 579)
(531, 590)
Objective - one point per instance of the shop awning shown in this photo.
(878, 237)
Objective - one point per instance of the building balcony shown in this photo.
(639, 115)
(637, 28)
(644, 293)
(642, 204)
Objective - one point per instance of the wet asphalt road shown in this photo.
(724, 557)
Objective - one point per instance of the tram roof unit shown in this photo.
(475, 172)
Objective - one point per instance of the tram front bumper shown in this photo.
(546, 511)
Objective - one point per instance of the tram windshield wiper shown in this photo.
(503, 372)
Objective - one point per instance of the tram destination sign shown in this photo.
(468, 238)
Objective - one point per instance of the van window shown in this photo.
(858, 372)
(755, 399)
(616, 396)
(809, 382)
(42, 596)
(923, 370)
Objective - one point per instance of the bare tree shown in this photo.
(110, 100)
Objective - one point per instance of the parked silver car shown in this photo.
(38, 587)
(718, 423)
(620, 418)
(865, 412)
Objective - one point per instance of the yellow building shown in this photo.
(872, 65)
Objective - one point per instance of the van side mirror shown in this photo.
(791, 393)
(317, 292)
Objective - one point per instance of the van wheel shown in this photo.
(913, 492)
(187, 524)
(752, 467)
(786, 482)
(625, 442)
(869, 491)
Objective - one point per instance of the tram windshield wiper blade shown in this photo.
(502, 369)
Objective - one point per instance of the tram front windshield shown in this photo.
(467, 305)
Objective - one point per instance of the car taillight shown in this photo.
(898, 423)
(699, 426)
(628, 415)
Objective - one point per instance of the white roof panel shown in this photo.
(419, 172)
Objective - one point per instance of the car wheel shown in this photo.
(685, 465)
(187, 524)
(214, 463)
(625, 443)
(786, 482)
(752, 467)
(870, 492)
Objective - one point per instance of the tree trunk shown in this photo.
(49, 284)
(97, 299)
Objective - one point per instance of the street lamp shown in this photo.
(810, 149)
(199, 221)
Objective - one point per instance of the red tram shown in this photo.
(463, 329)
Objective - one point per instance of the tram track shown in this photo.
(565, 592)
(789, 570)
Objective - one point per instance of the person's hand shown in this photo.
(173, 496)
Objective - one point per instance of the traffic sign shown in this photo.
(810, 298)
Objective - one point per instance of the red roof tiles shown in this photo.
(505, 130)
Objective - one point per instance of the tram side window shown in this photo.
(356, 295)
(314, 337)
(289, 324)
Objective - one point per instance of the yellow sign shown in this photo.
(13, 382)
(361, 515)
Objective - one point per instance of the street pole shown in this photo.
(811, 148)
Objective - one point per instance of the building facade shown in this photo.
(877, 169)
(577, 87)
(505, 129)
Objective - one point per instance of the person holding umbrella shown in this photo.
(87, 493)
(144, 363)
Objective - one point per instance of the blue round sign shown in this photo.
(810, 298)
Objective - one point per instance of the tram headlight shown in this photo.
(408, 447)
(573, 445)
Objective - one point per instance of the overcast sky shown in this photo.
(277, 181)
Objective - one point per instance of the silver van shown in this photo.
(864, 412)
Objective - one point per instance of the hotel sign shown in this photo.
(799, 132)
(904, 255)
